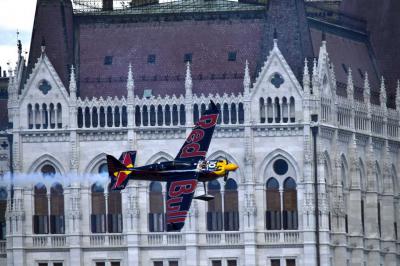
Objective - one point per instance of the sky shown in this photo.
(15, 15)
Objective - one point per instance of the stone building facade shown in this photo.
(59, 210)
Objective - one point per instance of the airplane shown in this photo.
(182, 174)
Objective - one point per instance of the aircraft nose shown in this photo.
(231, 167)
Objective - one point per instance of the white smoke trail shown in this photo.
(33, 179)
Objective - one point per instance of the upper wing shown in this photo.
(197, 143)
(179, 197)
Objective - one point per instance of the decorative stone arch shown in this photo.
(395, 180)
(93, 165)
(238, 174)
(328, 168)
(262, 176)
(378, 178)
(159, 156)
(46, 159)
(344, 172)
(362, 174)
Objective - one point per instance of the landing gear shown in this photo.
(205, 197)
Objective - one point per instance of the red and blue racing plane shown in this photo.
(182, 174)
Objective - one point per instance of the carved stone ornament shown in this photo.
(44, 86)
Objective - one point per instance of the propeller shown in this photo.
(226, 172)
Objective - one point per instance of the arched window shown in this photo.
(277, 110)
(30, 116)
(87, 117)
(182, 115)
(59, 115)
(270, 111)
(102, 117)
(214, 214)
(45, 116)
(233, 113)
(109, 117)
(40, 217)
(117, 117)
(137, 116)
(95, 117)
(262, 110)
(57, 209)
(289, 204)
(167, 115)
(231, 206)
(174, 115)
(3, 206)
(37, 117)
(225, 113)
(103, 169)
(159, 115)
(273, 213)
(156, 214)
(48, 170)
(114, 212)
(152, 115)
(241, 113)
(98, 216)
(124, 116)
(285, 110)
(292, 110)
(145, 116)
(52, 116)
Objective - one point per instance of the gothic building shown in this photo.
(105, 80)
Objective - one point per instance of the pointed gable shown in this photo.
(276, 85)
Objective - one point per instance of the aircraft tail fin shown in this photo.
(118, 173)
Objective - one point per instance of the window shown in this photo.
(42, 264)
(3, 205)
(103, 169)
(290, 262)
(214, 214)
(173, 263)
(57, 264)
(187, 57)
(275, 262)
(100, 263)
(156, 214)
(232, 56)
(48, 170)
(151, 59)
(273, 213)
(115, 263)
(231, 263)
(157, 263)
(289, 204)
(216, 263)
(98, 223)
(57, 209)
(40, 217)
(108, 60)
(231, 206)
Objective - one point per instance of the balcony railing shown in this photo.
(280, 237)
(162, 239)
(221, 238)
(107, 240)
(47, 241)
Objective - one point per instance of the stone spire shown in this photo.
(350, 85)
(366, 91)
(246, 79)
(398, 96)
(188, 81)
(382, 95)
(130, 83)
(306, 78)
(72, 84)
(315, 78)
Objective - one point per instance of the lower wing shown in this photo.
(178, 199)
